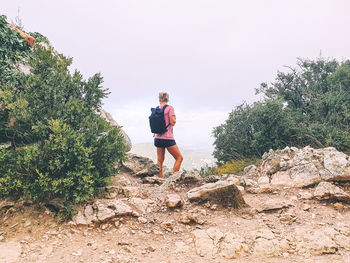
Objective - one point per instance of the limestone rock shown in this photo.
(213, 242)
(153, 180)
(314, 242)
(266, 244)
(174, 200)
(142, 205)
(108, 117)
(221, 191)
(337, 163)
(251, 171)
(272, 204)
(141, 166)
(119, 208)
(104, 213)
(89, 214)
(328, 191)
(293, 167)
(80, 219)
(180, 177)
(298, 176)
(211, 179)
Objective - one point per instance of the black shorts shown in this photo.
(163, 143)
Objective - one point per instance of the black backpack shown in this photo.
(157, 120)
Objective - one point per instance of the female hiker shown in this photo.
(166, 140)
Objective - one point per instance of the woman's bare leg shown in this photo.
(175, 152)
(160, 160)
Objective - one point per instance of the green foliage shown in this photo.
(234, 167)
(207, 170)
(308, 106)
(60, 146)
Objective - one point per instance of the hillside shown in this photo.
(296, 211)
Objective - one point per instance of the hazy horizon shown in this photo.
(209, 55)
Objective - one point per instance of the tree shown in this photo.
(60, 146)
(310, 105)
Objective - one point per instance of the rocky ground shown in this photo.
(186, 219)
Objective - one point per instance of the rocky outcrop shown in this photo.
(174, 200)
(108, 117)
(224, 192)
(182, 177)
(293, 167)
(141, 166)
(213, 242)
(328, 191)
(106, 210)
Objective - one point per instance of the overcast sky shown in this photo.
(210, 55)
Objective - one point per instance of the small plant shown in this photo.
(234, 166)
(207, 170)
(275, 163)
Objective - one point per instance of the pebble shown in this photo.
(77, 253)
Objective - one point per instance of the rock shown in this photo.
(55, 205)
(314, 242)
(222, 191)
(141, 205)
(250, 172)
(142, 220)
(104, 213)
(6, 204)
(328, 191)
(232, 245)
(191, 218)
(272, 205)
(141, 166)
(212, 242)
(180, 177)
(108, 117)
(80, 219)
(89, 214)
(174, 200)
(10, 252)
(337, 163)
(119, 208)
(130, 191)
(153, 180)
(298, 176)
(211, 179)
(168, 225)
(266, 244)
(293, 167)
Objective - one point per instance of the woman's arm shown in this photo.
(172, 120)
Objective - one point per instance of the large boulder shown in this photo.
(224, 192)
(182, 177)
(108, 117)
(328, 191)
(141, 166)
(293, 167)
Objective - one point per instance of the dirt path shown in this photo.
(286, 233)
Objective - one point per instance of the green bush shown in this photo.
(60, 146)
(308, 106)
(234, 167)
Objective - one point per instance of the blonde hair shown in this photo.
(163, 97)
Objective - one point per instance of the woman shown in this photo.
(166, 140)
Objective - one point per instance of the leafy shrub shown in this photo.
(308, 106)
(207, 170)
(234, 167)
(60, 146)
